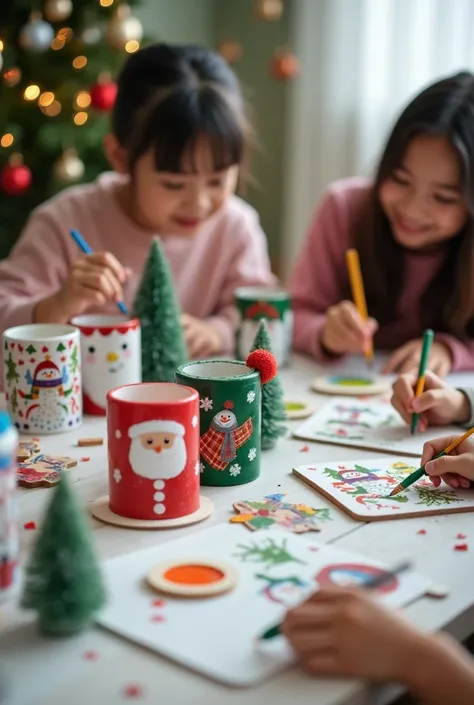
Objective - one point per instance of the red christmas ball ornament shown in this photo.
(264, 361)
(285, 65)
(103, 94)
(15, 177)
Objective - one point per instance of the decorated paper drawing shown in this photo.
(219, 444)
(43, 470)
(362, 489)
(353, 575)
(196, 632)
(372, 424)
(267, 552)
(289, 591)
(274, 511)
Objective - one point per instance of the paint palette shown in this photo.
(350, 385)
(193, 578)
(298, 409)
(217, 636)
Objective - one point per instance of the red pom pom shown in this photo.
(228, 405)
(263, 361)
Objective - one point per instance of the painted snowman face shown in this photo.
(226, 419)
(109, 361)
(344, 578)
(47, 375)
(354, 475)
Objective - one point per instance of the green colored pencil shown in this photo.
(372, 584)
(420, 385)
(421, 471)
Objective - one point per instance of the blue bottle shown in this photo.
(9, 533)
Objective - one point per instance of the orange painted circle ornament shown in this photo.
(193, 577)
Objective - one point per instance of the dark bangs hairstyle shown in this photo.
(445, 108)
(169, 97)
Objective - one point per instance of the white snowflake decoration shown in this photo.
(252, 453)
(117, 475)
(235, 469)
(197, 468)
(202, 467)
(206, 404)
(251, 397)
(118, 433)
(194, 421)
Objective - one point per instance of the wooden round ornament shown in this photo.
(100, 508)
(350, 385)
(193, 577)
(298, 409)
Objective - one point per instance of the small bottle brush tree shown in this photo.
(163, 346)
(273, 406)
(63, 579)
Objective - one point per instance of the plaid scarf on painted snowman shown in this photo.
(219, 446)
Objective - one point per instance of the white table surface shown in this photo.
(37, 671)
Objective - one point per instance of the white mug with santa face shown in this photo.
(42, 377)
(153, 444)
(111, 354)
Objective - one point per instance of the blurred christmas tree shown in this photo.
(56, 91)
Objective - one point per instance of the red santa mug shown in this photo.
(111, 357)
(153, 442)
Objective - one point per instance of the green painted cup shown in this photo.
(229, 408)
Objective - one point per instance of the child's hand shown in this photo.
(345, 331)
(201, 338)
(439, 404)
(340, 632)
(456, 469)
(407, 358)
(93, 280)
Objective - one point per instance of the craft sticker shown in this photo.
(363, 489)
(43, 470)
(274, 511)
(219, 444)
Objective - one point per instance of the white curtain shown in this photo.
(361, 62)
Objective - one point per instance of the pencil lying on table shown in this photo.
(420, 385)
(421, 471)
(371, 584)
(358, 294)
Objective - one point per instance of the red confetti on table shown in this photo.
(461, 536)
(313, 548)
(304, 449)
(461, 547)
(421, 532)
(85, 459)
(29, 525)
(90, 655)
(157, 618)
(133, 691)
(158, 603)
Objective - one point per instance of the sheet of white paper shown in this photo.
(217, 636)
(371, 423)
(363, 487)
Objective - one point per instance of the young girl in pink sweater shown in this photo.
(414, 230)
(179, 138)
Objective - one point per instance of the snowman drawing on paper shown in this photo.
(48, 410)
(112, 359)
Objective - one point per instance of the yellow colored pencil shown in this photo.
(358, 294)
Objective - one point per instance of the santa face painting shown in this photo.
(157, 449)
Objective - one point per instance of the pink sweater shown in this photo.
(320, 277)
(229, 251)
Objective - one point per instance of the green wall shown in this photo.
(260, 39)
(211, 21)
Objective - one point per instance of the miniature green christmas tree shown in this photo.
(163, 346)
(63, 580)
(273, 405)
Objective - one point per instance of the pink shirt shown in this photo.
(229, 251)
(320, 278)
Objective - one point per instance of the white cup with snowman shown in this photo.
(111, 355)
(42, 377)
